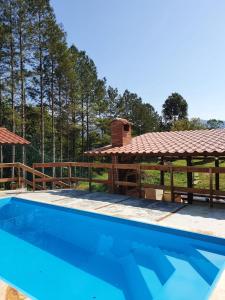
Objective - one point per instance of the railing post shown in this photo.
(171, 184)
(139, 180)
(162, 173)
(90, 177)
(189, 181)
(33, 181)
(69, 175)
(19, 178)
(113, 179)
(210, 188)
(217, 175)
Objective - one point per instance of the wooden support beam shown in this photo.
(189, 181)
(172, 184)
(217, 175)
(162, 173)
(210, 188)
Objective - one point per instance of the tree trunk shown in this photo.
(12, 84)
(22, 89)
(87, 120)
(53, 117)
(41, 93)
(60, 130)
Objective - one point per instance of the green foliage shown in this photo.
(214, 124)
(175, 108)
(185, 124)
(51, 93)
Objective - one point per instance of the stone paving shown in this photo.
(197, 218)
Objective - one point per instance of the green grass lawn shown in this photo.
(201, 180)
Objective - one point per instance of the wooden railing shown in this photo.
(113, 181)
(75, 172)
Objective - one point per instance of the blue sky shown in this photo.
(154, 47)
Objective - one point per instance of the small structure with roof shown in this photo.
(9, 138)
(188, 145)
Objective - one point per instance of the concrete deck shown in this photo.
(197, 218)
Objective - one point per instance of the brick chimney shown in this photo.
(120, 132)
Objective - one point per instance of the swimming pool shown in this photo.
(50, 252)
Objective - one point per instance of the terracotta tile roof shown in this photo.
(181, 143)
(10, 138)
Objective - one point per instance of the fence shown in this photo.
(75, 172)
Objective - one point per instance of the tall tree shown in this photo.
(175, 108)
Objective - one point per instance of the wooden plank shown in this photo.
(139, 183)
(155, 167)
(69, 175)
(218, 193)
(51, 165)
(32, 171)
(171, 184)
(218, 170)
(28, 182)
(191, 190)
(8, 165)
(191, 169)
(10, 179)
(211, 188)
(53, 179)
(162, 173)
(126, 183)
(190, 179)
(127, 166)
(217, 175)
(155, 186)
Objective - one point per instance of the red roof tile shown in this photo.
(10, 138)
(193, 142)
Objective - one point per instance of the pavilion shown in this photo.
(188, 145)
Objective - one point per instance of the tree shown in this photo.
(51, 94)
(175, 108)
(214, 124)
(142, 115)
(185, 124)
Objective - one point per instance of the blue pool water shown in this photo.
(50, 252)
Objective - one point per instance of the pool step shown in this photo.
(202, 265)
(196, 259)
(135, 282)
(154, 258)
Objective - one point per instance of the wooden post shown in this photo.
(171, 184)
(139, 180)
(211, 188)
(217, 175)
(113, 173)
(162, 173)
(69, 175)
(1, 160)
(189, 181)
(19, 178)
(33, 181)
(90, 178)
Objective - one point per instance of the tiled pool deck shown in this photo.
(197, 218)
